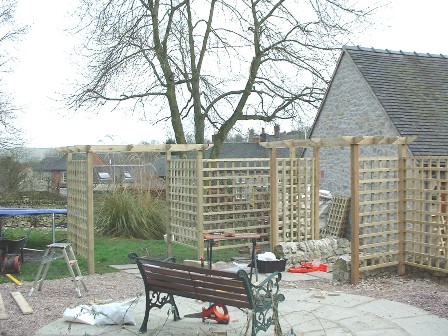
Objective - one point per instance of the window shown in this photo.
(127, 177)
(104, 177)
(63, 177)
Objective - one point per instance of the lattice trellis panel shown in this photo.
(77, 206)
(183, 198)
(295, 193)
(426, 216)
(236, 198)
(378, 212)
(337, 217)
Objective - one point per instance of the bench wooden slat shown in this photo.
(194, 272)
(201, 293)
(216, 298)
(198, 280)
(186, 268)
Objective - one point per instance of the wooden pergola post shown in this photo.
(169, 242)
(401, 208)
(354, 183)
(90, 230)
(200, 201)
(274, 196)
(316, 187)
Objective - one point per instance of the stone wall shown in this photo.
(40, 221)
(326, 251)
(350, 109)
(36, 221)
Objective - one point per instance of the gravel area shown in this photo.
(428, 293)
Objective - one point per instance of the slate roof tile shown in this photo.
(413, 89)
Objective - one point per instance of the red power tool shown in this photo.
(216, 311)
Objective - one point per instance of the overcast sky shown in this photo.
(42, 70)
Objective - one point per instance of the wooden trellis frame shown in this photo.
(379, 236)
(416, 234)
(426, 232)
(337, 217)
(80, 191)
(79, 207)
(353, 142)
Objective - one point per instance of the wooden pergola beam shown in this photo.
(344, 141)
(135, 148)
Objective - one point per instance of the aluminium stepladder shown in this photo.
(57, 251)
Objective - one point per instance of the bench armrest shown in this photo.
(269, 288)
(275, 276)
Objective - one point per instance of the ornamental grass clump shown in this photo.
(130, 214)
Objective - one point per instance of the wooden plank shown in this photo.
(344, 141)
(90, 240)
(135, 148)
(17, 282)
(354, 183)
(274, 197)
(200, 203)
(3, 314)
(316, 197)
(401, 209)
(22, 303)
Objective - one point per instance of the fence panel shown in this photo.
(378, 212)
(295, 193)
(236, 197)
(426, 217)
(182, 195)
(77, 206)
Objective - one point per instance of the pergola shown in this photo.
(80, 188)
(346, 141)
(80, 185)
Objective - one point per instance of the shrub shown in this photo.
(130, 214)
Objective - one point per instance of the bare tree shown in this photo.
(213, 64)
(9, 32)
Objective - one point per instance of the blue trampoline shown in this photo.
(4, 212)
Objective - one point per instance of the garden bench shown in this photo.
(166, 279)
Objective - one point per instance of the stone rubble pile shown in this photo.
(326, 251)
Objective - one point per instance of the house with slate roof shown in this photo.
(252, 149)
(107, 170)
(382, 93)
(52, 173)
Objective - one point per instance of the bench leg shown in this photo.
(157, 300)
(262, 318)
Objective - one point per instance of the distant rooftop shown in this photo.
(413, 90)
(395, 52)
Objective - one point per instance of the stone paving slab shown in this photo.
(310, 312)
(302, 313)
(391, 310)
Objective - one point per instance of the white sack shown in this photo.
(267, 256)
(110, 313)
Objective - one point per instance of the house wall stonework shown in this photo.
(350, 109)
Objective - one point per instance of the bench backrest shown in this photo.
(197, 283)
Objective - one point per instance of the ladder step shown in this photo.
(57, 251)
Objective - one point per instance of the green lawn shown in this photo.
(108, 251)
